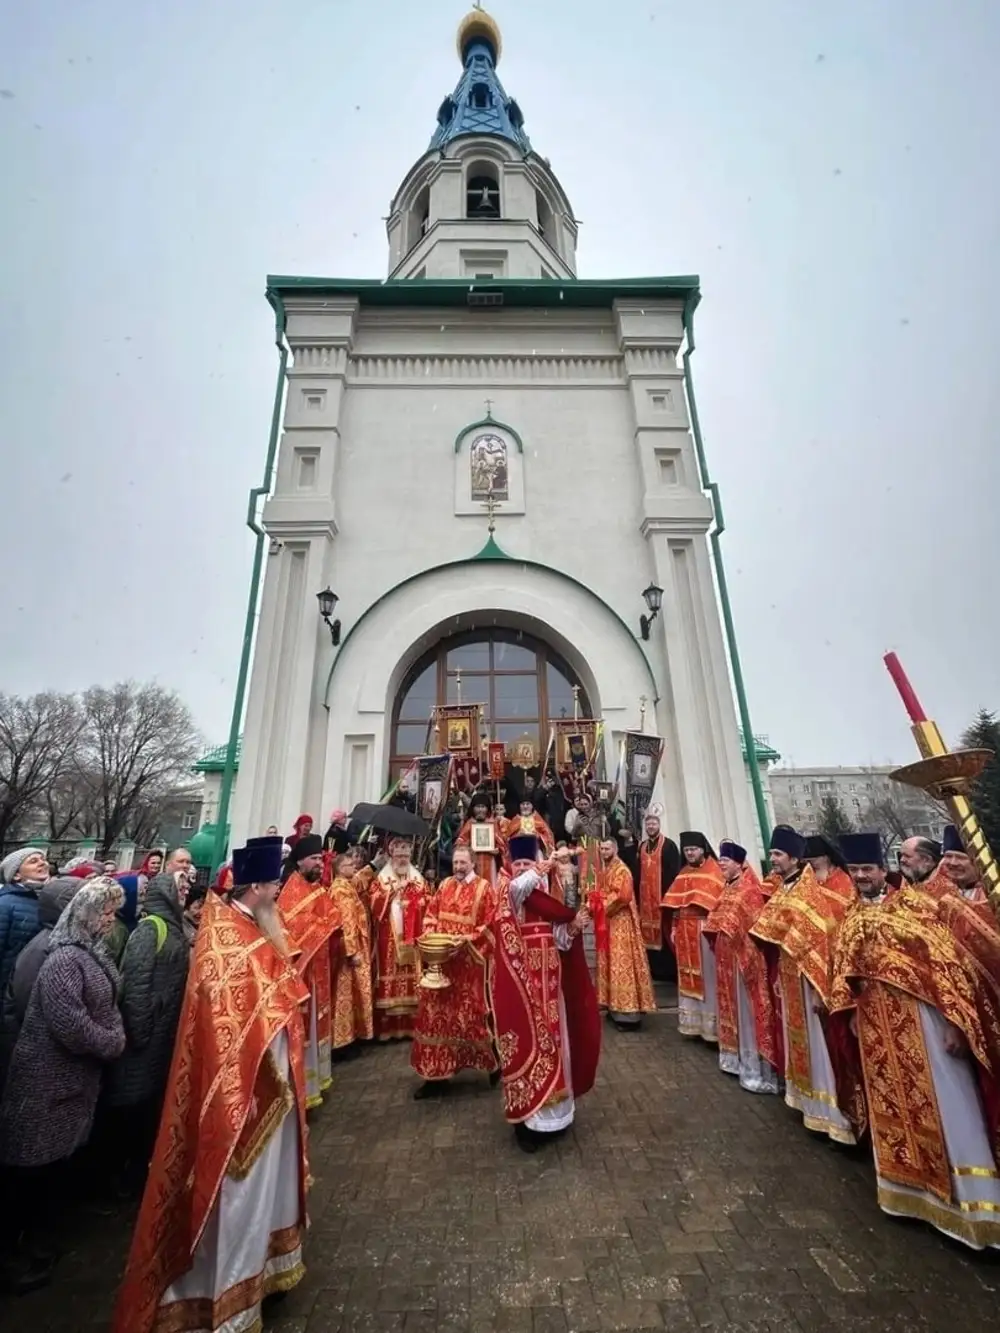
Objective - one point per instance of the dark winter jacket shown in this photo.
(154, 975)
(18, 923)
(53, 897)
(71, 1028)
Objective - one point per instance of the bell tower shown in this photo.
(481, 203)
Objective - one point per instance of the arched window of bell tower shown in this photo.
(546, 220)
(419, 219)
(482, 192)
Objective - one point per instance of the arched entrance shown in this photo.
(522, 683)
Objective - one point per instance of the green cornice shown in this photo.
(488, 420)
(571, 293)
(491, 551)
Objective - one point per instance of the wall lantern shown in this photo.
(327, 601)
(654, 600)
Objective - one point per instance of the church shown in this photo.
(489, 489)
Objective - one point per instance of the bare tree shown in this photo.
(38, 736)
(894, 810)
(140, 743)
(72, 803)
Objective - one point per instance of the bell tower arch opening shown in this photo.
(482, 191)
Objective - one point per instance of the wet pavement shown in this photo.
(677, 1201)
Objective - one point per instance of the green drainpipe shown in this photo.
(228, 773)
(720, 574)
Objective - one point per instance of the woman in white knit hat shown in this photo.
(22, 874)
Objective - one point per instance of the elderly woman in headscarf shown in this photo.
(71, 1030)
(22, 874)
(127, 918)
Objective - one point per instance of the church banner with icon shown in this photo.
(638, 770)
(433, 772)
(457, 729)
(573, 751)
(497, 753)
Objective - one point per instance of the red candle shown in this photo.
(906, 692)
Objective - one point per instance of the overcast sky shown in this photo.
(830, 171)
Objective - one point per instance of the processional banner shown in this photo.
(457, 729)
(638, 769)
(573, 751)
(433, 772)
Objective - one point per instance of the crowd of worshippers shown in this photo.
(869, 1000)
(92, 974)
(807, 980)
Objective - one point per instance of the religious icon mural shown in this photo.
(488, 462)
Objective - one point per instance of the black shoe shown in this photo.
(431, 1088)
(494, 1078)
(525, 1138)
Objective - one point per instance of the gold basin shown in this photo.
(435, 949)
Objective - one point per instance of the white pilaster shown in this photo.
(301, 522)
(676, 516)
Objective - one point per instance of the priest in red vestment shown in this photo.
(920, 976)
(397, 897)
(528, 823)
(310, 918)
(452, 1029)
(694, 893)
(959, 866)
(659, 862)
(624, 986)
(866, 865)
(747, 1021)
(481, 812)
(224, 1211)
(801, 921)
(547, 1021)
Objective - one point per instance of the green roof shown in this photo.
(214, 761)
(575, 293)
(763, 749)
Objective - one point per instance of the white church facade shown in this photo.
(489, 460)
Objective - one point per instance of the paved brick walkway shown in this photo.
(677, 1202)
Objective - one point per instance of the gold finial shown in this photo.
(478, 24)
(491, 506)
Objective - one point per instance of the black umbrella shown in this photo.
(362, 814)
(394, 819)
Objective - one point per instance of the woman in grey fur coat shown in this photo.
(72, 1028)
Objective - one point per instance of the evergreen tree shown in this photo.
(984, 734)
(832, 820)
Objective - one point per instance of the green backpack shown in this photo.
(161, 930)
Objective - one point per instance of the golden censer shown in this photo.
(435, 949)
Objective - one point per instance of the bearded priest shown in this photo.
(310, 918)
(692, 896)
(748, 1045)
(659, 862)
(397, 899)
(919, 976)
(223, 1215)
(452, 1030)
(547, 1022)
(801, 920)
